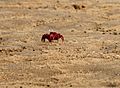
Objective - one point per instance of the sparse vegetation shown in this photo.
(88, 57)
(77, 7)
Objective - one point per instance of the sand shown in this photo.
(89, 56)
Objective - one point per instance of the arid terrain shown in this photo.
(89, 56)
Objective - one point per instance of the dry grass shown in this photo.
(89, 57)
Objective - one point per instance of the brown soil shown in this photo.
(89, 56)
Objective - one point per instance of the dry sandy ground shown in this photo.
(89, 57)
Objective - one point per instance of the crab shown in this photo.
(52, 36)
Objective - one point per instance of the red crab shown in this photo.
(52, 36)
